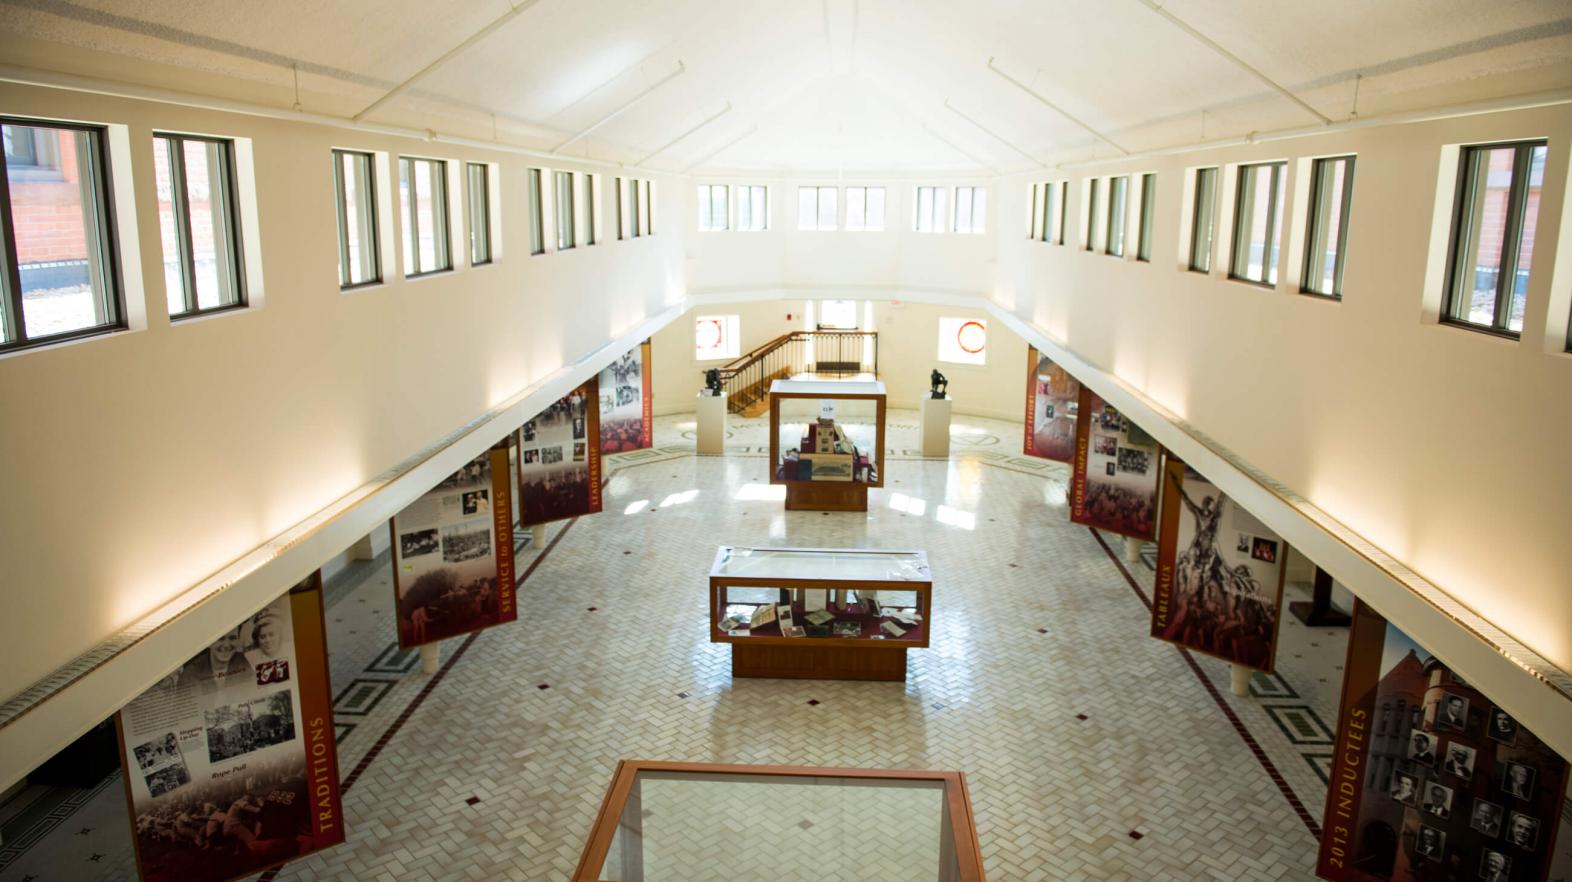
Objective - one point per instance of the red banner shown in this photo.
(626, 402)
(230, 761)
(559, 469)
(1432, 780)
(453, 554)
(1113, 484)
(1052, 401)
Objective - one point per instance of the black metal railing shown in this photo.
(747, 379)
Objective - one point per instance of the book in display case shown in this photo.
(820, 613)
(827, 442)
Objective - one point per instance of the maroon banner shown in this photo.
(1113, 484)
(230, 762)
(1432, 780)
(1220, 573)
(626, 404)
(559, 467)
(1052, 401)
(453, 554)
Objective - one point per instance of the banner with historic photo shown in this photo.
(1053, 398)
(453, 554)
(1219, 573)
(1431, 779)
(1114, 478)
(230, 763)
(559, 459)
(626, 390)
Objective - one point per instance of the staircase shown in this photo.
(747, 379)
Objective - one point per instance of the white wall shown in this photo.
(1445, 447)
(137, 464)
(908, 350)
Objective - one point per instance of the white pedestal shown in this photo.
(712, 423)
(537, 536)
(1132, 549)
(1240, 681)
(428, 657)
(936, 426)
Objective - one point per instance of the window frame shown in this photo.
(731, 327)
(590, 181)
(758, 220)
(973, 192)
(1143, 241)
(707, 208)
(372, 220)
(1276, 194)
(441, 215)
(1511, 242)
(1312, 234)
(818, 208)
(884, 206)
(565, 213)
(484, 213)
(1093, 197)
(1120, 185)
(534, 203)
(13, 316)
(1213, 174)
(182, 210)
(939, 213)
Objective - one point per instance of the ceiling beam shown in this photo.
(1055, 108)
(664, 147)
(447, 56)
(1213, 45)
(992, 134)
(958, 149)
(681, 69)
(718, 150)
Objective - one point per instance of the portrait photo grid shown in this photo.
(1114, 486)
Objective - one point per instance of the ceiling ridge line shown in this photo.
(721, 149)
(966, 153)
(444, 58)
(1218, 48)
(681, 69)
(1054, 107)
(669, 144)
(992, 134)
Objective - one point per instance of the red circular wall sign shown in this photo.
(708, 334)
(971, 337)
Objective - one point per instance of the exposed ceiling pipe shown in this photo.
(1497, 105)
(1207, 41)
(447, 56)
(663, 148)
(681, 69)
(718, 150)
(966, 153)
(1054, 107)
(992, 134)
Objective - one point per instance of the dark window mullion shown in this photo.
(1517, 198)
(182, 207)
(1268, 262)
(14, 320)
(1239, 206)
(1462, 235)
(1347, 197)
(236, 249)
(345, 271)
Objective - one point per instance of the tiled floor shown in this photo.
(1092, 751)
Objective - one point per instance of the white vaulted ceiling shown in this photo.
(819, 87)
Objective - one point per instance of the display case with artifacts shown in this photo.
(827, 442)
(820, 613)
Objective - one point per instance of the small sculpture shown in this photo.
(940, 383)
(712, 382)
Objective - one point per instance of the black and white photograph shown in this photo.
(1518, 780)
(1108, 469)
(529, 431)
(1438, 800)
(1264, 550)
(1136, 462)
(550, 455)
(1110, 419)
(1244, 545)
(477, 502)
(240, 728)
(1495, 866)
(1522, 830)
(578, 428)
(1486, 817)
(1422, 748)
(419, 542)
(157, 752)
(466, 541)
(1460, 760)
(1107, 445)
(1430, 843)
(166, 779)
(1502, 727)
(1452, 712)
(531, 456)
(578, 451)
(1405, 789)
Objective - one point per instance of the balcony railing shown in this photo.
(824, 353)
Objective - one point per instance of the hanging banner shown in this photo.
(1431, 780)
(559, 466)
(1219, 573)
(1053, 398)
(230, 764)
(453, 554)
(1114, 481)
(626, 391)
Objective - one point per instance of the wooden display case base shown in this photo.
(814, 662)
(826, 496)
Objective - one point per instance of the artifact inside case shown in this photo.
(821, 612)
(828, 440)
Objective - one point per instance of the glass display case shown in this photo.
(697, 822)
(827, 442)
(821, 613)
